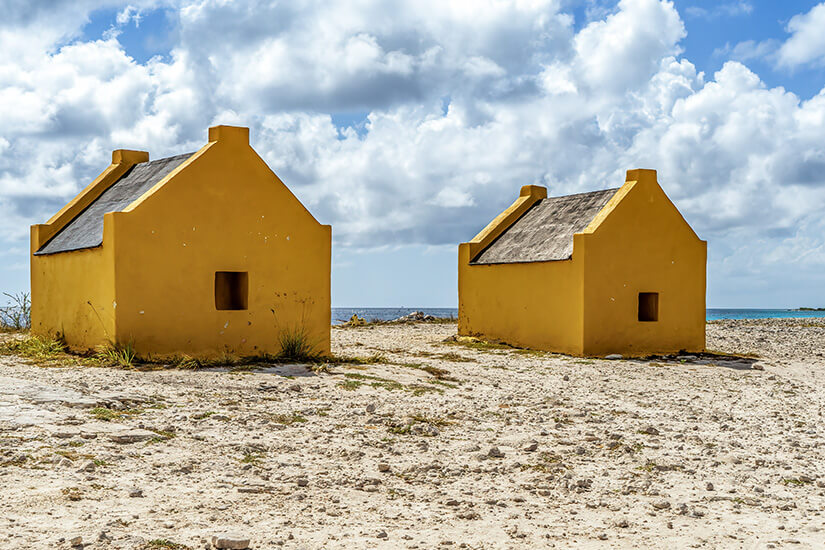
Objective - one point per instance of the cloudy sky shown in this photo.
(409, 125)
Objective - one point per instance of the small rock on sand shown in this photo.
(131, 436)
(613, 356)
(531, 445)
(230, 541)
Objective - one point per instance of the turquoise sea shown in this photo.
(342, 314)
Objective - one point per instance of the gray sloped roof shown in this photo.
(86, 229)
(545, 232)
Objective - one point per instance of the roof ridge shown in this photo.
(165, 159)
(585, 193)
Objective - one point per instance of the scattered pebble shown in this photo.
(230, 541)
(495, 452)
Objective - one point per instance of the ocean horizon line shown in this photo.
(371, 313)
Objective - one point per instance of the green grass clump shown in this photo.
(296, 346)
(163, 543)
(107, 415)
(287, 419)
(37, 348)
(431, 420)
(795, 481)
(118, 355)
(350, 385)
(252, 458)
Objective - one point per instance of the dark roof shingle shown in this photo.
(86, 229)
(545, 232)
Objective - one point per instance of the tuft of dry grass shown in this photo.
(39, 349)
(164, 544)
(117, 355)
(108, 415)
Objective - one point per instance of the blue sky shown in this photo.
(409, 127)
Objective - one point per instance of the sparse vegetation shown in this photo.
(472, 342)
(163, 543)
(120, 355)
(373, 359)
(415, 423)
(296, 346)
(546, 463)
(287, 419)
(350, 385)
(39, 349)
(431, 420)
(17, 314)
(796, 481)
(108, 415)
(252, 458)
(162, 436)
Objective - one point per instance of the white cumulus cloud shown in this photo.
(454, 105)
(807, 41)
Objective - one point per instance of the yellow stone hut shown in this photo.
(203, 254)
(617, 271)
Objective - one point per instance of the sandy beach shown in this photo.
(427, 443)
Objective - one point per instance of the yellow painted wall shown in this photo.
(641, 243)
(535, 305)
(587, 305)
(73, 296)
(221, 210)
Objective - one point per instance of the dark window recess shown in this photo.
(231, 290)
(648, 306)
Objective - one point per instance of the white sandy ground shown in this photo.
(625, 451)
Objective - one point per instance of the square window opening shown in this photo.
(648, 306)
(231, 290)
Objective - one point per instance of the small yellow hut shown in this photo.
(203, 254)
(617, 271)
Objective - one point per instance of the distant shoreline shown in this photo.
(343, 314)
